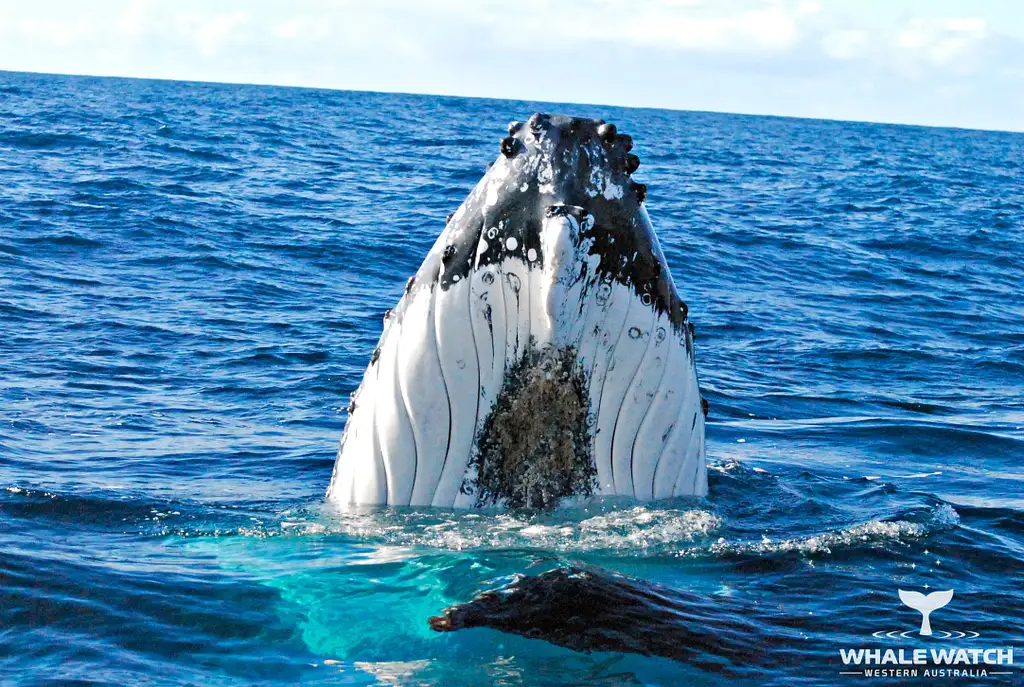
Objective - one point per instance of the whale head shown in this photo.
(541, 351)
(562, 188)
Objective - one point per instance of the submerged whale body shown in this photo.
(589, 609)
(540, 352)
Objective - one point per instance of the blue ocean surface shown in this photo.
(193, 276)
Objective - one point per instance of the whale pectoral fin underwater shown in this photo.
(540, 352)
(586, 609)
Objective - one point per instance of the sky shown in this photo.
(932, 62)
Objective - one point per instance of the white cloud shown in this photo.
(54, 32)
(699, 25)
(132, 23)
(774, 27)
(696, 25)
(210, 33)
(845, 44)
(942, 40)
(300, 28)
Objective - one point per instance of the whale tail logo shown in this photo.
(926, 604)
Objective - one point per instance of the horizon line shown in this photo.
(522, 100)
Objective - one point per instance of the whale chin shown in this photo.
(540, 352)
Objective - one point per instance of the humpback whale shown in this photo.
(541, 352)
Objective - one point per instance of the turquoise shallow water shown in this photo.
(192, 278)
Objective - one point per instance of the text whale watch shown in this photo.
(540, 352)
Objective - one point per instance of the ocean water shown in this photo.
(192, 278)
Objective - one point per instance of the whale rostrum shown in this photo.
(540, 352)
